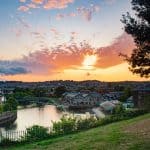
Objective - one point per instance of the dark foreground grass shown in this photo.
(114, 136)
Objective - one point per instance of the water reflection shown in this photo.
(42, 116)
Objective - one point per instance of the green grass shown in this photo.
(109, 137)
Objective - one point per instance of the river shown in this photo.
(28, 117)
(43, 116)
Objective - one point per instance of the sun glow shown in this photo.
(89, 61)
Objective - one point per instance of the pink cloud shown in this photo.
(31, 5)
(23, 8)
(72, 14)
(71, 56)
(23, 1)
(46, 4)
(53, 4)
(109, 56)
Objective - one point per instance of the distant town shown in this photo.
(78, 94)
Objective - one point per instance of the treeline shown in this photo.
(27, 96)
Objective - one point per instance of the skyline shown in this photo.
(70, 40)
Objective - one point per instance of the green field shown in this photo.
(133, 134)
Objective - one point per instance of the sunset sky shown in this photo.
(64, 39)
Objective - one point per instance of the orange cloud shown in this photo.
(53, 4)
(109, 56)
(38, 1)
(46, 4)
(72, 56)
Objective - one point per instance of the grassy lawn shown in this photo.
(133, 134)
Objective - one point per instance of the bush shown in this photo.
(64, 126)
(133, 113)
(35, 133)
(87, 123)
(121, 116)
(119, 109)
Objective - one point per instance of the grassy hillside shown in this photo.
(133, 134)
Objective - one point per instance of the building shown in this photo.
(129, 103)
(107, 106)
(82, 100)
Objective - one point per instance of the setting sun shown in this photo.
(89, 61)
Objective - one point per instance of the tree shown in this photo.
(126, 94)
(139, 28)
(10, 104)
(119, 109)
(59, 91)
(39, 92)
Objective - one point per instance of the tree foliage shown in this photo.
(10, 104)
(139, 28)
(59, 91)
(36, 132)
(126, 94)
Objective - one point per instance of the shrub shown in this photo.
(121, 116)
(65, 125)
(119, 109)
(36, 133)
(87, 123)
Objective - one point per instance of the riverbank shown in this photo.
(28, 106)
(7, 118)
(51, 101)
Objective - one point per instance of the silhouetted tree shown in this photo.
(139, 28)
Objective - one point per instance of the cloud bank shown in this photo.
(12, 68)
(69, 56)
(45, 4)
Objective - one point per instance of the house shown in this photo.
(129, 103)
(107, 106)
(82, 100)
(112, 96)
